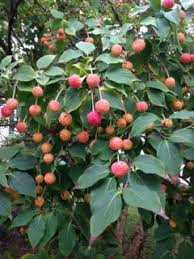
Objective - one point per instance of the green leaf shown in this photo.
(5, 61)
(150, 20)
(67, 240)
(77, 151)
(109, 59)
(23, 162)
(3, 179)
(73, 99)
(70, 30)
(150, 165)
(6, 153)
(114, 99)
(86, 47)
(183, 115)
(157, 98)
(23, 218)
(121, 76)
(188, 153)
(92, 175)
(23, 183)
(155, 84)
(57, 14)
(185, 136)
(36, 230)
(163, 27)
(101, 150)
(140, 124)
(5, 205)
(186, 4)
(155, 3)
(185, 250)
(69, 55)
(55, 71)
(170, 155)
(25, 73)
(77, 25)
(173, 15)
(144, 192)
(45, 61)
(106, 206)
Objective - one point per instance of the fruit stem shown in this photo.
(36, 100)
(100, 92)
(118, 156)
(165, 69)
(137, 99)
(14, 89)
(59, 94)
(25, 118)
(92, 96)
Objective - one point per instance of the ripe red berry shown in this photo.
(49, 178)
(12, 103)
(65, 135)
(46, 148)
(39, 201)
(185, 58)
(115, 143)
(83, 137)
(6, 112)
(141, 106)
(167, 4)
(177, 105)
(116, 50)
(138, 45)
(52, 48)
(93, 80)
(181, 37)
(102, 106)
(34, 110)
(94, 118)
(89, 39)
(163, 187)
(54, 106)
(167, 122)
(48, 158)
(37, 91)
(39, 178)
(128, 117)
(60, 37)
(192, 58)
(110, 130)
(75, 81)
(37, 137)
(127, 144)
(21, 126)
(65, 119)
(60, 31)
(119, 168)
(182, 14)
(170, 82)
(121, 123)
(127, 65)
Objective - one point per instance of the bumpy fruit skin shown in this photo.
(21, 126)
(49, 178)
(100, 130)
(178, 105)
(185, 58)
(37, 137)
(119, 168)
(127, 144)
(46, 148)
(127, 65)
(167, 4)
(65, 196)
(65, 135)
(138, 45)
(60, 37)
(93, 80)
(172, 223)
(39, 178)
(94, 118)
(82, 137)
(12, 103)
(181, 37)
(190, 165)
(54, 106)
(170, 82)
(65, 119)
(75, 81)
(52, 48)
(167, 122)
(116, 50)
(110, 130)
(115, 143)
(48, 158)
(163, 187)
(102, 106)
(38, 189)
(34, 110)
(6, 112)
(182, 14)
(141, 106)
(128, 117)
(60, 31)
(39, 201)
(89, 40)
(121, 123)
(37, 91)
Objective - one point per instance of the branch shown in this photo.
(3, 45)
(117, 18)
(41, 7)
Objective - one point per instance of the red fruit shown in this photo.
(116, 50)
(177, 105)
(182, 14)
(65, 135)
(48, 158)
(127, 65)
(38, 189)
(93, 80)
(60, 37)
(37, 137)
(94, 118)
(163, 187)
(141, 106)
(46, 148)
(34, 110)
(127, 144)
(115, 143)
(167, 4)
(60, 31)
(138, 45)
(102, 106)
(121, 123)
(170, 82)
(6, 112)
(12, 103)
(192, 58)
(119, 168)
(167, 122)
(49, 178)
(185, 58)
(83, 137)
(110, 130)
(181, 37)
(39, 178)
(75, 81)
(53, 130)
(65, 119)
(39, 201)
(89, 39)
(54, 106)
(52, 48)
(128, 117)
(21, 126)
(37, 91)
(100, 130)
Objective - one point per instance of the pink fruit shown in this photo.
(167, 4)
(89, 39)
(12, 103)
(141, 106)
(83, 137)
(21, 126)
(54, 106)
(93, 80)
(115, 143)
(119, 168)
(94, 118)
(102, 106)
(116, 50)
(6, 112)
(34, 110)
(185, 58)
(37, 91)
(75, 81)
(182, 14)
(138, 45)
(163, 187)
